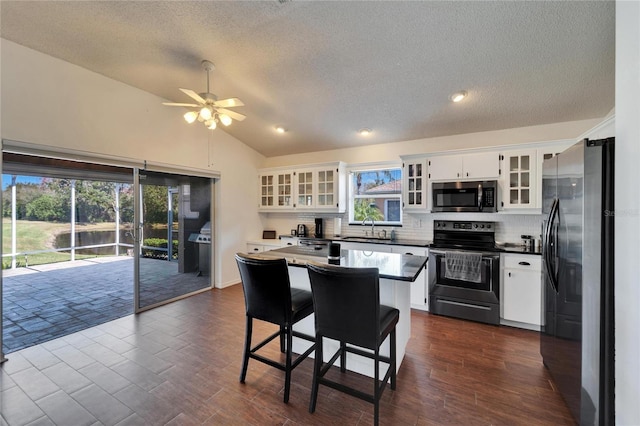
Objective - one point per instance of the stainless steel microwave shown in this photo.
(473, 196)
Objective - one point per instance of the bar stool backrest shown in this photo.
(346, 303)
(267, 292)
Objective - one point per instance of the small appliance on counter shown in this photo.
(337, 226)
(318, 232)
(302, 230)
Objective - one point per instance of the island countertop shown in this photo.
(393, 266)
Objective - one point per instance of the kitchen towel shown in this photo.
(463, 266)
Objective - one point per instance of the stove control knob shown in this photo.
(481, 226)
(489, 226)
(476, 225)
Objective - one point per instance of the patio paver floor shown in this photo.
(44, 302)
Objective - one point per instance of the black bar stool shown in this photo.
(347, 308)
(269, 297)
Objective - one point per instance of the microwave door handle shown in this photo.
(480, 197)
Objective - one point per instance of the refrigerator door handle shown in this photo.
(550, 244)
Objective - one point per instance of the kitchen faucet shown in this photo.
(373, 222)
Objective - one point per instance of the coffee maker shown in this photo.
(319, 232)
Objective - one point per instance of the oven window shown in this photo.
(456, 198)
(484, 284)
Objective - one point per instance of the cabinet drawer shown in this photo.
(532, 262)
(254, 248)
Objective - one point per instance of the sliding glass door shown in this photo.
(173, 237)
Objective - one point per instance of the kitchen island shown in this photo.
(397, 271)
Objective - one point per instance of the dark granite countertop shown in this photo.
(500, 247)
(393, 266)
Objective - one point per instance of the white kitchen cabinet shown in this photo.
(314, 188)
(258, 246)
(475, 166)
(368, 247)
(331, 188)
(520, 182)
(275, 190)
(522, 291)
(415, 185)
(545, 154)
(304, 186)
(419, 288)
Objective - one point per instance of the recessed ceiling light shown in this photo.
(364, 132)
(280, 129)
(458, 96)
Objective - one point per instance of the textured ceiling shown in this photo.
(323, 70)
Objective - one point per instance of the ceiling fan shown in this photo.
(210, 110)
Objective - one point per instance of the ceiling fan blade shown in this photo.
(193, 95)
(228, 103)
(235, 115)
(179, 104)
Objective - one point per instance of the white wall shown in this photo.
(393, 151)
(51, 102)
(627, 206)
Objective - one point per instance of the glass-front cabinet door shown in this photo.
(326, 187)
(284, 189)
(415, 184)
(520, 186)
(304, 188)
(266, 190)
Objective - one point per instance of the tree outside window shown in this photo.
(376, 194)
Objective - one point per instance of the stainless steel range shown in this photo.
(464, 268)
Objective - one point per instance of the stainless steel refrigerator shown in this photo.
(577, 340)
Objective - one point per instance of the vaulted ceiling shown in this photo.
(324, 70)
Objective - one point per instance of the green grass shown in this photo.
(37, 235)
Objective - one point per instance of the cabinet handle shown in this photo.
(509, 274)
(409, 254)
(255, 249)
(524, 263)
(467, 174)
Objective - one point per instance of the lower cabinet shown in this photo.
(521, 290)
(256, 247)
(419, 288)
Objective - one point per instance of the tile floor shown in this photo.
(179, 364)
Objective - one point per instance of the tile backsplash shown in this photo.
(509, 227)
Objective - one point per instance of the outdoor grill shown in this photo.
(203, 241)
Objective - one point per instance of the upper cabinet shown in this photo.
(522, 178)
(415, 186)
(476, 166)
(275, 190)
(316, 188)
(520, 185)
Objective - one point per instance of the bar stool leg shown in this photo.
(282, 338)
(376, 387)
(392, 355)
(287, 370)
(317, 366)
(343, 357)
(247, 348)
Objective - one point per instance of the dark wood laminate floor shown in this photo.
(179, 365)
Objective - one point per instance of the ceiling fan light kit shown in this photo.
(209, 110)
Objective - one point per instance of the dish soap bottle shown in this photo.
(393, 235)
